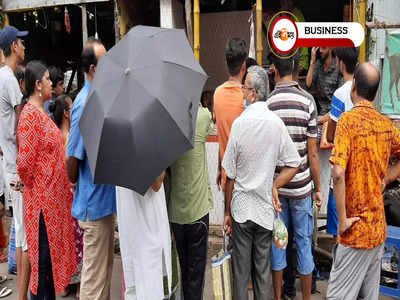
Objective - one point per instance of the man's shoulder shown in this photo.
(80, 101)
(222, 89)
(290, 94)
(7, 76)
(343, 90)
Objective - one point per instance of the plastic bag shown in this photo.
(221, 273)
(280, 233)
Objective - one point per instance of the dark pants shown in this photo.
(251, 253)
(192, 244)
(289, 274)
(45, 289)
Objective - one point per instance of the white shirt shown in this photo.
(341, 101)
(10, 96)
(258, 140)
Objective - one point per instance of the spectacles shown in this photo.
(245, 87)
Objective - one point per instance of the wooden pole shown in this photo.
(117, 18)
(259, 32)
(123, 21)
(6, 23)
(84, 25)
(359, 15)
(196, 26)
(189, 23)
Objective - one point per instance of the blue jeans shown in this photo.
(332, 221)
(299, 213)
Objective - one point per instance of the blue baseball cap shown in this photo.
(9, 34)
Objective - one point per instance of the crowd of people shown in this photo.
(268, 165)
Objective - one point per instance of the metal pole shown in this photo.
(259, 31)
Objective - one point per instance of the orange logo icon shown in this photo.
(284, 34)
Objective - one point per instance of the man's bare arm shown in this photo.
(228, 200)
(391, 175)
(330, 132)
(157, 184)
(313, 158)
(72, 168)
(283, 179)
(18, 109)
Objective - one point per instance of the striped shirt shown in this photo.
(297, 111)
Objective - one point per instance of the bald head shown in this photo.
(367, 78)
(91, 53)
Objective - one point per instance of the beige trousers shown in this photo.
(98, 257)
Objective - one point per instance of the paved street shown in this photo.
(116, 284)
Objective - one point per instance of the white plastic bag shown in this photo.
(280, 233)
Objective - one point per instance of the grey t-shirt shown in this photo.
(10, 96)
(327, 82)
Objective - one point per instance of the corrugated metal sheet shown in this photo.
(172, 14)
(16, 5)
(384, 11)
(216, 29)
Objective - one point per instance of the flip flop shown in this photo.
(3, 278)
(3, 258)
(5, 291)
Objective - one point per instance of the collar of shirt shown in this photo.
(365, 103)
(287, 84)
(332, 67)
(231, 83)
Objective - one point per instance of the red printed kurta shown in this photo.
(41, 167)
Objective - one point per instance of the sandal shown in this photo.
(3, 278)
(65, 292)
(5, 291)
(3, 258)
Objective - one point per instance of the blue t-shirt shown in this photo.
(91, 201)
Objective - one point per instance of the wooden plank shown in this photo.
(24, 5)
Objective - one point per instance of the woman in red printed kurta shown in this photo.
(47, 195)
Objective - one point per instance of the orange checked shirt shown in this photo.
(364, 142)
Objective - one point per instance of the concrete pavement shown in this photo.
(116, 293)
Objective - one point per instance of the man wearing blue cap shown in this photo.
(10, 108)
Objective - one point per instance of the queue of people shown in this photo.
(268, 165)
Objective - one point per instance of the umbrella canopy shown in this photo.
(141, 112)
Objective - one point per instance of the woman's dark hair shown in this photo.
(20, 74)
(34, 72)
(56, 75)
(57, 108)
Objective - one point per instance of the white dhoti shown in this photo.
(145, 243)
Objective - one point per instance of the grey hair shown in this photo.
(259, 81)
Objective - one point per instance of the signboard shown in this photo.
(390, 93)
(18, 5)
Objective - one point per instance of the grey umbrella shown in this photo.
(141, 111)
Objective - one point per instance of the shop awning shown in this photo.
(20, 5)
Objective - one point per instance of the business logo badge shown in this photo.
(286, 34)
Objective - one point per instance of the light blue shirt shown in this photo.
(91, 201)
